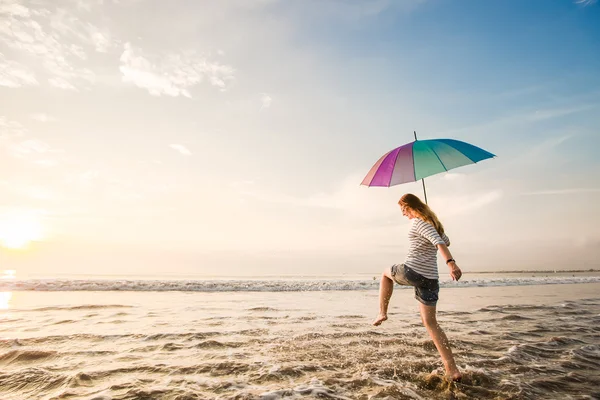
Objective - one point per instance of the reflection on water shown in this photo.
(5, 300)
(6, 296)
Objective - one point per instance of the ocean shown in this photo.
(515, 336)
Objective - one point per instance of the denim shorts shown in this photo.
(426, 290)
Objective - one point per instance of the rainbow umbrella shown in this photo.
(422, 158)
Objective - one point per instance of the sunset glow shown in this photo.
(232, 136)
(17, 232)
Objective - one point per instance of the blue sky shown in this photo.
(194, 137)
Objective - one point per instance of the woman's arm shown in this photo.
(455, 272)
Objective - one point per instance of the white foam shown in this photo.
(260, 285)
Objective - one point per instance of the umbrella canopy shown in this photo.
(422, 158)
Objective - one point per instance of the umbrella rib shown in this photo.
(439, 159)
(470, 159)
(414, 165)
(392, 175)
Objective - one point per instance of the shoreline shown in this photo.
(545, 271)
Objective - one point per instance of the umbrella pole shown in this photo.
(422, 180)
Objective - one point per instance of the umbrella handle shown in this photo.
(422, 180)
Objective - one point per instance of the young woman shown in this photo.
(426, 237)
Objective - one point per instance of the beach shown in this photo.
(198, 199)
(512, 342)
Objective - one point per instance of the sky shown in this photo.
(230, 137)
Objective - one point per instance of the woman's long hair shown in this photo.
(422, 210)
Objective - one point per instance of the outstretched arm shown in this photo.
(455, 272)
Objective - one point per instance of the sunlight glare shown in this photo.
(18, 231)
(8, 274)
(5, 300)
(6, 296)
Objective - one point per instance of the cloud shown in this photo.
(61, 84)
(544, 147)
(10, 129)
(348, 198)
(31, 191)
(353, 11)
(13, 137)
(31, 147)
(100, 39)
(55, 37)
(265, 100)
(585, 2)
(465, 204)
(377, 204)
(181, 149)
(521, 91)
(85, 179)
(545, 114)
(448, 205)
(453, 176)
(46, 163)
(521, 117)
(371, 205)
(242, 184)
(42, 117)
(13, 74)
(174, 74)
(562, 191)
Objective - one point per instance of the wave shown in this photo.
(82, 307)
(69, 285)
(25, 356)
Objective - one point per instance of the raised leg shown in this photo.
(386, 288)
(428, 315)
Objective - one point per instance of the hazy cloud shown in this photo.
(543, 148)
(84, 179)
(61, 84)
(453, 176)
(540, 115)
(42, 117)
(346, 197)
(520, 117)
(31, 146)
(13, 74)
(181, 149)
(10, 129)
(100, 39)
(46, 163)
(56, 37)
(13, 137)
(456, 205)
(174, 74)
(265, 100)
(562, 191)
(353, 11)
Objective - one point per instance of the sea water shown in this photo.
(515, 336)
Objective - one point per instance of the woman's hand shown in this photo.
(455, 272)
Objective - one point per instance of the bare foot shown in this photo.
(455, 377)
(380, 318)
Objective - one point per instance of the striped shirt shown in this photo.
(422, 252)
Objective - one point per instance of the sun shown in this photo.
(16, 232)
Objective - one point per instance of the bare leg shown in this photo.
(440, 340)
(386, 288)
